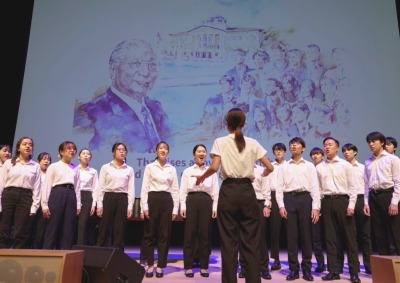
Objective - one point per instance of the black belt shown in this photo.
(360, 196)
(381, 191)
(261, 200)
(67, 186)
(336, 196)
(296, 193)
(198, 192)
(237, 180)
(20, 189)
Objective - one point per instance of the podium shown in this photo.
(385, 269)
(51, 266)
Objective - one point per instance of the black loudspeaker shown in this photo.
(106, 265)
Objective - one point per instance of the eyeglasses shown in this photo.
(151, 65)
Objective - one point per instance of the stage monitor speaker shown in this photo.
(37, 266)
(106, 265)
(385, 269)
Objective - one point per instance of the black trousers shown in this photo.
(363, 227)
(382, 223)
(16, 206)
(158, 232)
(337, 224)
(275, 225)
(264, 257)
(113, 222)
(317, 241)
(38, 229)
(60, 227)
(84, 217)
(298, 225)
(197, 229)
(238, 223)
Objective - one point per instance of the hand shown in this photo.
(183, 213)
(78, 211)
(315, 215)
(350, 212)
(92, 210)
(283, 212)
(366, 210)
(393, 209)
(266, 211)
(199, 180)
(173, 216)
(46, 213)
(146, 214)
(129, 214)
(214, 214)
(99, 212)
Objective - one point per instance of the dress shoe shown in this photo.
(265, 274)
(189, 273)
(331, 276)
(276, 265)
(307, 276)
(159, 273)
(204, 273)
(292, 275)
(320, 267)
(354, 278)
(367, 269)
(241, 274)
(149, 274)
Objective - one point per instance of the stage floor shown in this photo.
(174, 271)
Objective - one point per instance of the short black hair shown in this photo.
(299, 140)
(279, 145)
(316, 150)
(391, 140)
(330, 138)
(349, 146)
(376, 136)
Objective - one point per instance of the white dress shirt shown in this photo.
(383, 172)
(89, 181)
(157, 178)
(113, 179)
(298, 176)
(26, 176)
(188, 185)
(60, 173)
(335, 177)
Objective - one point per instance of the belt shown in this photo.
(67, 186)
(381, 191)
(19, 188)
(237, 180)
(198, 192)
(296, 193)
(360, 196)
(343, 196)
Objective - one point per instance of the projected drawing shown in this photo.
(246, 67)
(124, 112)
